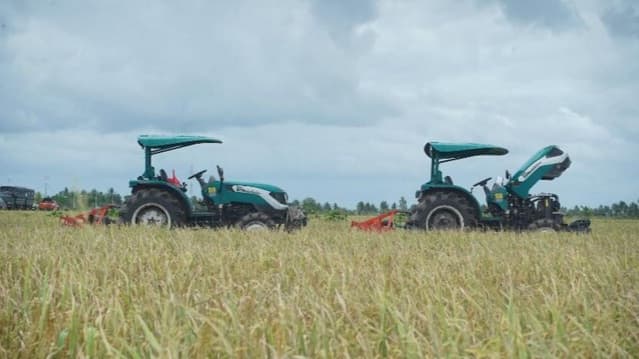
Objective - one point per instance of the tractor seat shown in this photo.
(448, 180)
(163, 176)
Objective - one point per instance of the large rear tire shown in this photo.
(255, 221)
(154, 207)
(442, 210)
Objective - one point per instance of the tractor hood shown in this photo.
(550, 162)
(158, 144)
(274, 196)
(547, 164)
(456, 151)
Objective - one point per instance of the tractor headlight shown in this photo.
(281, 197)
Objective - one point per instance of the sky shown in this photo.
(327, 99)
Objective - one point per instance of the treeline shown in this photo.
(83, 199)
(620, 209)
(310, 205)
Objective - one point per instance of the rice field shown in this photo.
(326, 291)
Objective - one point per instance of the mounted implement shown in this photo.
(382, 223)
(443, 205)
(99, 215)
(159, 200)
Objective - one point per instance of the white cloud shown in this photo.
(180, 67)
(326, 100)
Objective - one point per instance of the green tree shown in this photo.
(403, 205)
(633, 210)
(623, 209)
(310, 205)
(326, 207)
(369, 208)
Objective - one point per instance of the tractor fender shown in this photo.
(430, 188)
(164, 186)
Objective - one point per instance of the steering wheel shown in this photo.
(198, 174)
(482, 182)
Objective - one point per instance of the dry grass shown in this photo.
(322, 292)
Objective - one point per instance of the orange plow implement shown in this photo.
(382, 223)
(95, 216)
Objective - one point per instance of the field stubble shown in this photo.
(324, 291)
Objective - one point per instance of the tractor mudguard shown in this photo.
(165, 186)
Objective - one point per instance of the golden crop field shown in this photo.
(326, 291)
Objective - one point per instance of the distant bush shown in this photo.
(336, 215)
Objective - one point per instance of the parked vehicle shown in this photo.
(17, 197)
(442, 205)
(159, 200)
(48, 204)
(510, 205)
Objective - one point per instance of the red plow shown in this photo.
(382, 223)
(97, 215)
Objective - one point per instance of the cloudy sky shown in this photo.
(325, 98)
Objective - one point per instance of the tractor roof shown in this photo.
(456, 151)
(159, 144)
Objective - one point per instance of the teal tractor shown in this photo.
(159, 200)
(442, 205)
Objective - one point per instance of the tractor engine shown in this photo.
(544, 206)
(547, 206)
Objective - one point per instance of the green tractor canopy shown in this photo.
(154, 145)
(455, 151)
(441, 152)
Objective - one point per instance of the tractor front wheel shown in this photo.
(443, 211)
(154, 207)
(255, 221)
(543, 225)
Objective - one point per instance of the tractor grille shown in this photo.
(280, 197)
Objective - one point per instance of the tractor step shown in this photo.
(204, 218)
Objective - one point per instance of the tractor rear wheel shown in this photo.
(154, 207)
(443, 211)
(255, 221)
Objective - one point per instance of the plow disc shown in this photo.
(382, 223)
(95, 216)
